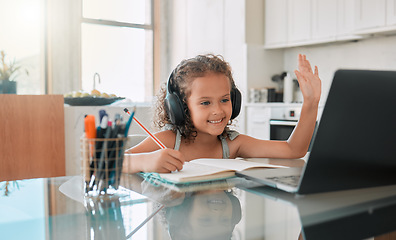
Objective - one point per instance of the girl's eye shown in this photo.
(225, 100)
(205, 103)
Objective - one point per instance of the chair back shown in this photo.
(32, 133)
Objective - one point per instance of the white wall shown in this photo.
(377, 53)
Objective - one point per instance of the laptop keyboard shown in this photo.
(288, 180)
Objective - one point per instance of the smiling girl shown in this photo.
(196, 108)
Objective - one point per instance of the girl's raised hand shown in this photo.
(310, 83)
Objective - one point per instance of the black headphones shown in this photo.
(174, 104)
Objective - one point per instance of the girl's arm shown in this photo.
(147, 157)
(297, 144)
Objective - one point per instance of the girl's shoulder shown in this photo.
(167, 137)
(232, 134)
(229, 134)
(236, 139)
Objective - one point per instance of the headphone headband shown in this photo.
(175, 108)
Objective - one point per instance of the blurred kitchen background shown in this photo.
(134, 44)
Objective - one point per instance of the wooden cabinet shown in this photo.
(32, 136)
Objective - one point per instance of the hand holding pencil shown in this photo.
(164, 160)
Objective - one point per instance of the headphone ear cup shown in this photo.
(174, 108)
(236, 100)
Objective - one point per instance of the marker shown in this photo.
(156, 140)
(90, 128)
(90, 131)
(90, 135)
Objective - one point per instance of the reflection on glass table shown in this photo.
(55, 208)
(352, 214)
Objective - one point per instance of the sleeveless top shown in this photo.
(232, 134)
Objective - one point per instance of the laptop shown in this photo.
(355, 143)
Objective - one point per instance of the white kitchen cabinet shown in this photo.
(287, 22)
(276, 22)
(391, 12)
(258, 122)
(324, 20)
(345, 19)
(299, 21)
(291, 23)
(370, 13)
(375, 17)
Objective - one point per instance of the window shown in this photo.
(21, 38)
(117, 43)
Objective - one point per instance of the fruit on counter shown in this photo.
(76, 94)
(104, 95)
(94, 93)
(68, 94)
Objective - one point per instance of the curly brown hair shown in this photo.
(182, 77)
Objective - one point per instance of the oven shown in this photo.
(283, 121)
(281, 129)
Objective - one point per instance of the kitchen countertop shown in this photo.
(276, 104)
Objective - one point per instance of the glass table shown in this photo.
(55, 208)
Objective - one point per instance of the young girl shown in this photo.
(196, 107)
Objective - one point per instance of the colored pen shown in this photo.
(90, 134)
(156, 140)
(104, 155)
(102, 113)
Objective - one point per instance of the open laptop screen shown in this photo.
(355, 145)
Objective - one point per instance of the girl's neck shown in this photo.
(204, 138)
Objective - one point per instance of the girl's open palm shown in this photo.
(310, 83)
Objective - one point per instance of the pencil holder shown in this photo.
(102, 160)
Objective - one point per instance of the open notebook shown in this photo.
(207, 169)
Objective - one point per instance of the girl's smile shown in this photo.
(216, 122)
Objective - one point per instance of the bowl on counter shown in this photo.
(91, 100)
